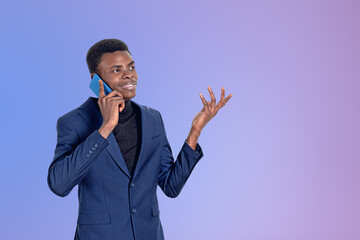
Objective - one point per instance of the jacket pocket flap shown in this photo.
(155, 210)
(94, 218)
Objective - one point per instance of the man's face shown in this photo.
(117, 69)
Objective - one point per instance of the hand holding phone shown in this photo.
(110, 105)
(94, 85)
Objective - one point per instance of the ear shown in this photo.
(92, 75)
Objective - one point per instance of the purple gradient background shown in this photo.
(281, 159)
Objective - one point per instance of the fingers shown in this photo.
(114, 98)
(101, 89)
(112, 94)
(212, 96)
(222, 94)
(115, 93)
(206, 105)
(227, 98)
(223, 100)
(220, 104)
(122, 106)
(116, 102)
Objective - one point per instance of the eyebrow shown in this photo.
(119, 66)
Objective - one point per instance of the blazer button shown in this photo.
(132, 185)
(93, 148)
(133, 210)
(91, 152)
(147, 108)
(87, 155)
(96, 145)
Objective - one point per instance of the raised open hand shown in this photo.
(209, 110)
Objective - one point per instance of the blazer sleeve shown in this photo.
(173, 175)
(73, 157)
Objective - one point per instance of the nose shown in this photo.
(127, 73)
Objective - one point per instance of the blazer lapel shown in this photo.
(115, 153)
(91, 113)
(146, 126)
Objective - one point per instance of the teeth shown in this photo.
(132, 85)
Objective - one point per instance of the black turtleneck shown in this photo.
(128, 134)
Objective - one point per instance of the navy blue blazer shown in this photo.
(113, 204)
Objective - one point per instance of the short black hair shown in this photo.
(94, 54)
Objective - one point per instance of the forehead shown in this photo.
(115, 58)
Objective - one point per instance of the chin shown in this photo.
(129, 96)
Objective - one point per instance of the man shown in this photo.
(117, 152)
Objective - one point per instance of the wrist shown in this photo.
(193, 137)
(195, 131)
(105, 130)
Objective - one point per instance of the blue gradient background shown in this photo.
(281, 159)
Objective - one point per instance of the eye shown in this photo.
(116, 70)
(132, 67)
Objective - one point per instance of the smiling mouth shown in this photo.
(130, 86)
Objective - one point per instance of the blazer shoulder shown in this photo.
(152, 112)
(73, 115)
(82, 120)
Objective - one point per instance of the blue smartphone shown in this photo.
(94, 85)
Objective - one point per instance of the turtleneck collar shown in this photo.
(127, 112)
